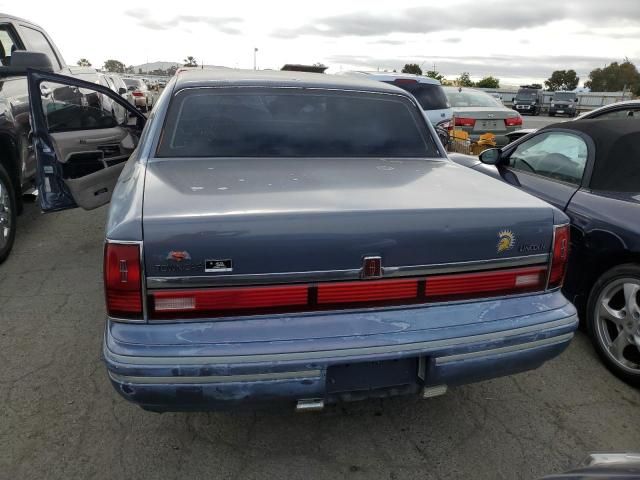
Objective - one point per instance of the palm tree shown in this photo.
(190, 62)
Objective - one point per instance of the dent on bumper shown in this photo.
(460, 343)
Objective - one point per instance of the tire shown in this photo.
(613, 321)
(8, 214)
(552, 114)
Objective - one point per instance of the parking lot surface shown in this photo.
(541, 121)
(60, 417)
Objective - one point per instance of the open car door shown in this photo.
(83, 134)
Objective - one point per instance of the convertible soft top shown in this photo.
(617, 142)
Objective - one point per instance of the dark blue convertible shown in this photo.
(300, 239)
(590, 169)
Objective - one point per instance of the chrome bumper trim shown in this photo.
(511, 348)
(283, 357)
(336, 275)
(255, 377)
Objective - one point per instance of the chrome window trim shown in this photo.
(347, 352)
(338, 275)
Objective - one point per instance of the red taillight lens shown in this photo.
(123, 280)
(559, 256)
(465, 122)
(215, 301)
(137, 93)
(404, 81)
(467, 285)
(513, 121)
(376, 291)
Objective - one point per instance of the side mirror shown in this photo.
(21, 60)
(122, 90)
(491, 156)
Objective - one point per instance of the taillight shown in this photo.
(497, 282)
(513, 121)
(405, 81)
(559, 256)
(123, 280)
(137, 93)
(465, 122)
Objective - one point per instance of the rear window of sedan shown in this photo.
(293, 122)
(470, 98)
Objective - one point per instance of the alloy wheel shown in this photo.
(617, 323)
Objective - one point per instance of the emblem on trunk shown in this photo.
(178, 256)
(217, 266)
(506, 240)
(371, 267)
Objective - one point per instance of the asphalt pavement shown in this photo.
(61, 419)
(541, 121)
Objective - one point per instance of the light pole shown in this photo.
(255, 54)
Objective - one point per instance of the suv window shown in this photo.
(430, 96)
(7, 45)
(284, 123)
(556, 155)
(39, 43)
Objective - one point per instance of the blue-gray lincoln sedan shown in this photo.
(297, 238)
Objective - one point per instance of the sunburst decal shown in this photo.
(506, 240)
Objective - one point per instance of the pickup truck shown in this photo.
(19, 40)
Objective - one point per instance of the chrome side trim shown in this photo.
(337, 275)
(512, 348)
(283, 357)
(255, 377)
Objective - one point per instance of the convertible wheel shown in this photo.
(7, 215)
(613, 320)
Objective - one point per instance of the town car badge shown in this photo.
(178, 256)
(506, 240)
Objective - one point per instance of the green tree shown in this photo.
(83, 62)
(489, 82)
(412, 68)
(562, 80)
(615, 77)
(130, 69)
(171, 71)
(464, 80)
(434, 74)
(190, 62)
(114, 66)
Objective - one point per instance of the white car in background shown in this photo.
(428, 91)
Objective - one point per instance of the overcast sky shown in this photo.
(514, 40)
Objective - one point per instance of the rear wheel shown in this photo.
(8, 208)
(552, 114)
(613, 321)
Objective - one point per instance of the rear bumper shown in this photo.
(225, 364)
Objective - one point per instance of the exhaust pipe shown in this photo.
(435, 391)
(310, 405)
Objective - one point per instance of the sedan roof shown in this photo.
(272, 78)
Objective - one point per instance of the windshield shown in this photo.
(282, 123)
(526, 95)
(564, 96)
(430, 96)
(470, 98)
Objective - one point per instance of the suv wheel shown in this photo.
(7, 214)
(613, 321)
